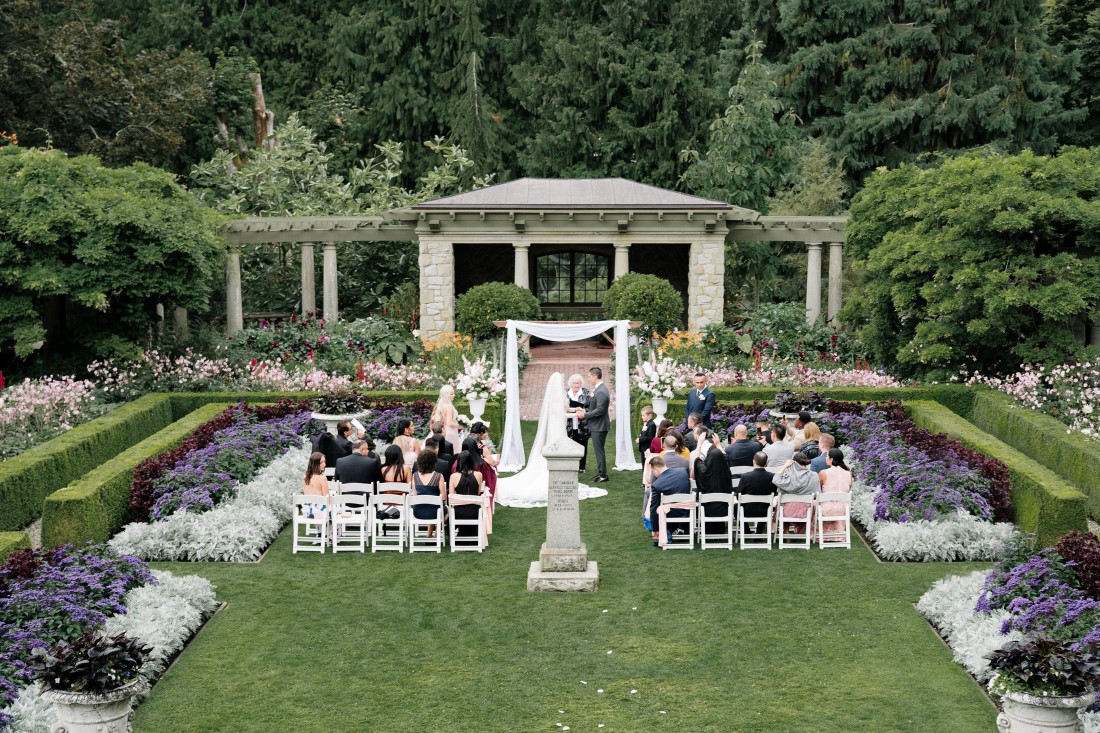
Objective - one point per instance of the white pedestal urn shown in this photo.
(477, 407)
(331, 421)
(79, 712)
(660, 407)
(1025, 713)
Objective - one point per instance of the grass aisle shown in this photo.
(719, 641)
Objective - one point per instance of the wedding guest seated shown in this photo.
(443, 463)
(711, 473)
(466, 481)
(779, 450)
(649, 431)
(394, 469)
(359, 467)
(444, 448)
(681, 448)
(426, 480)
(810, 448)
(345, 434)
(693, 421)
(477, 443)
(763, 432)
(671, 455)
(371, 445)
(836, 479)
(315, 483)
(666, 480)
(757, 482)
(741, 450)
(326, 444)
(826, 442)
(658, 442)
(795, 434)
(403, 438)
(795, 477)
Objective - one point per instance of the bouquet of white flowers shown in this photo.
(478, 381)
(661, 379)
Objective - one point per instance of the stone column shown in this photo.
(309, 280)
(836, 279)
(563, 560)
(622, 260)
(180, 323)
(813, 282)
(706, 281)
(1094, 331)
(234, 305)
(523, 264)
(437, 286)
(329, 288)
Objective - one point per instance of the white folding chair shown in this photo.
(736, 471)
(826, 513)
(309, 518)
(393, 486)
(355, 488)
(795, 540)
(469, 542)
(761, 537)
(419, 540)
(681, 530)
(710, 537)
(388, 531)
(350, 524)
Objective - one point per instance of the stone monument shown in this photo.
(563, 561)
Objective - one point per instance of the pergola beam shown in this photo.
(298, 229)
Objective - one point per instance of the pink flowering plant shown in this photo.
(660, 378)
(35, 410)
(478, 380)
(772, 374)
(1068, 392)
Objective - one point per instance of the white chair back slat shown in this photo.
(478, 539)
(787, 519)
(310, 523)
(829, 513)
(755, 532)
(350, 522)
(425, 535)
(388, 522)
(679, 532)
(716, 531)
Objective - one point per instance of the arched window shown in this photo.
(572, 278)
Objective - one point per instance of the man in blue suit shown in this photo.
(701, 399)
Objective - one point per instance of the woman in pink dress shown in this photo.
(835, 479)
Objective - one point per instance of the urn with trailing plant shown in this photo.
(1043, 682)
(347, 403)
(91, 680)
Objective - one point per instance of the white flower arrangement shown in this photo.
(237, 531)
(660, 380)
(478, 381)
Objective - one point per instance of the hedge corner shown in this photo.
(12, 541)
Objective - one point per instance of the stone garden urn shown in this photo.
(79, 712)
(1024, 713)
(331, 421)
(660, 409)
(477, 407)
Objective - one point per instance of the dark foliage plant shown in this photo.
(788, 401)
(1081, 551)
(342, 401)
(1047, 666)
(90, 664)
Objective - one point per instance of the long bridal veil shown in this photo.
(530, 487)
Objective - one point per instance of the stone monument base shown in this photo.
(584, 580)
(563, 560)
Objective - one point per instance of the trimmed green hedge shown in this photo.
(1043, 502)
(956, 397)
(1043, 439)
(12, 541)
(98, 505)
(27, 479)
(185, 402)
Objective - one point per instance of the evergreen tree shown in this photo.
(885, 81)
(1076, 25)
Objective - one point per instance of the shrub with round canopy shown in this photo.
(646, 298)
(478, 307)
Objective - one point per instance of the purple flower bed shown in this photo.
(383, 423)
(724, 418)
(911, 483)
(55, 595)
(208, 475)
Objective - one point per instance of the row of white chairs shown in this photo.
(731, 525)
(386, 521)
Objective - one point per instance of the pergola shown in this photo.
(619, 215)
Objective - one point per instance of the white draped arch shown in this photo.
(512, 455)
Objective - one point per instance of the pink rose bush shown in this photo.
(1067, 392)
(35, 410)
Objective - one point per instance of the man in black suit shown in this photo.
(442, 463)
(757, 482)
(693, 421)
(445, 448)
(599, 420)
(701, 399)
(666, 481)
(344, 433)
(358, 468)
(741, 450)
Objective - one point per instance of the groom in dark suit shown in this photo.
(701, 399)
(599, 420)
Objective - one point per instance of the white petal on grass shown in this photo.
(633, 692)
(600, 690)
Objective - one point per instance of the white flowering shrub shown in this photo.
(662, 379)
(960, 537)
(478, 380)
(237, 531)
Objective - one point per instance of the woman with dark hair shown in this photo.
(466, 481)
(487, 463)
(836, 479)
(394, 470)
(658, 443)
(426, 481)
(315, 483)
(403, 438)
(712, 473)
(681, 449)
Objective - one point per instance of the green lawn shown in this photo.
(712, 641)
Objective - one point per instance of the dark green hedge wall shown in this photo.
(1043, 502)
(27, 479)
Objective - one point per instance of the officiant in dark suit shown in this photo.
(598, 416)
(701, 399)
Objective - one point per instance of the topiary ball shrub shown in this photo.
(478, 307)
(1083, 550)
(646, 298)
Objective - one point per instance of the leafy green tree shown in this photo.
(87, 252)
(68, 82)
(1075, 24)
(884, 82)
(478, 307)
(982, 262)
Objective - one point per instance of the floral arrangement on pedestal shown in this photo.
(660, 380)
(478, 380)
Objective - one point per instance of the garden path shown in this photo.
(568, 357)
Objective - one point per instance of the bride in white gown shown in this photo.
(529, 487)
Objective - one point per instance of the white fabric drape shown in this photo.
(512, 455)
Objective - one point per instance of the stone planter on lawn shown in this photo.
(79, 712)
(1025, 713)
(331, 421)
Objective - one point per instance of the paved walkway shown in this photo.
(574, 357)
